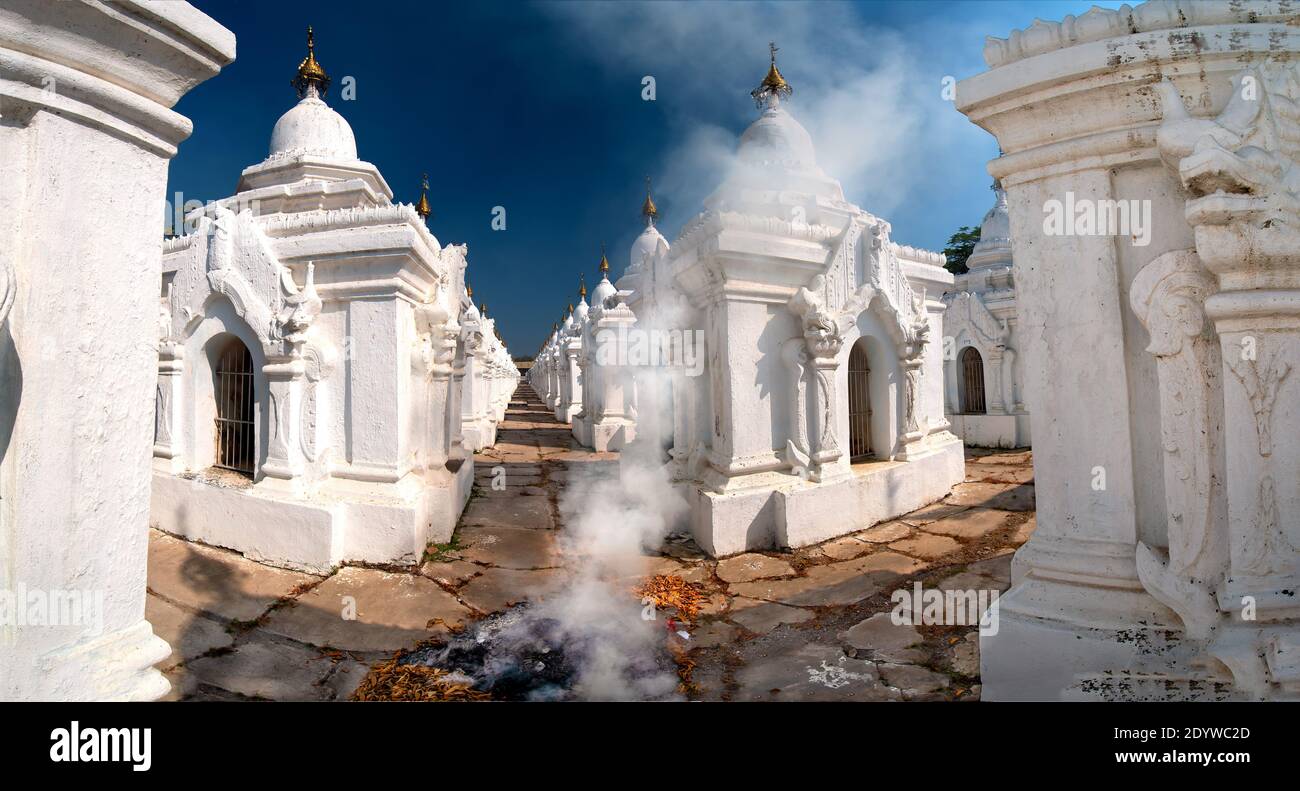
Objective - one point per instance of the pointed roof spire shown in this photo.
(648, 209)
(604, 262)
(774, 85)
(311, 76)
(582, 285)
(422, 208)
(469, 290)
(482, 309)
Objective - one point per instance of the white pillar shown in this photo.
(1126, 589)
(84, 141)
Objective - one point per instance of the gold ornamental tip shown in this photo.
(422, 208)
(482, 309)
(773, 84)
(469, 290)
(582, 286)
(648, 209)
(310, 71)
(604, 262)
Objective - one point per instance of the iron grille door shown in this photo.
(859, 404)
(236, 437)
(972, 376)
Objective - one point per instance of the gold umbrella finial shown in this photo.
(422, 208)
(311, 76)
(482, 309)
(469, 290)
(774, 85)
(604, 262)
(582, 285)
(648, 209)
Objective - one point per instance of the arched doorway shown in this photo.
(972, 382)
(859, 404)
(236, 438)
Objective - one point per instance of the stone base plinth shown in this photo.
(992, 431)
(604, 435)
(117, 666)
(478, 434)
(1050, 647)
(785, 512)
(347, 521)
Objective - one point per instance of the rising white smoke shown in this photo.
(872, 86)
(611, 522)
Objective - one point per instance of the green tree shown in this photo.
(960, 246)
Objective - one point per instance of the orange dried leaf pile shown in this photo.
(667, 590)
(395, 682)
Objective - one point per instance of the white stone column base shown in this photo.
(118, 666)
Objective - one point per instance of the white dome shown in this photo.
(994, 246)
(603, 291)
(580, 312)
(645, 246)
(777, 139)
(313, 127)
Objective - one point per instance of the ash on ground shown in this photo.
(524, 655)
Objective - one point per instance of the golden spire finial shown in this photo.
(648, 209)
(310, 73)
(422, 208)
(582, 285)
(773, 85)
(604, 262)
(482, 309)
(469, 290)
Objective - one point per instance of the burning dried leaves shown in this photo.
(686, 599)
(666, 590)
(393, 681)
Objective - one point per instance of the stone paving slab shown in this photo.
(391, 611)
(972, 523)
(496, 589)
(450, 573)
(510, 547)
(217, 581)
(846, 548)
(929, 547)
(834, 584)
(879, 638)
(885, 533)
(811, 672)
(931, 513)
(914, 682)
(530, 512)
(188, 633)
(762, 617)
(1003, 496)
(750, 567)
(269, 669)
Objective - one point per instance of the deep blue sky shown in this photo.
(537, 107)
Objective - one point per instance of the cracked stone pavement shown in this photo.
(805, 624)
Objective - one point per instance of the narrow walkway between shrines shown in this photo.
(808, 624)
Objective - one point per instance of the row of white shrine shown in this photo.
(787, 360)
(1159, 374)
